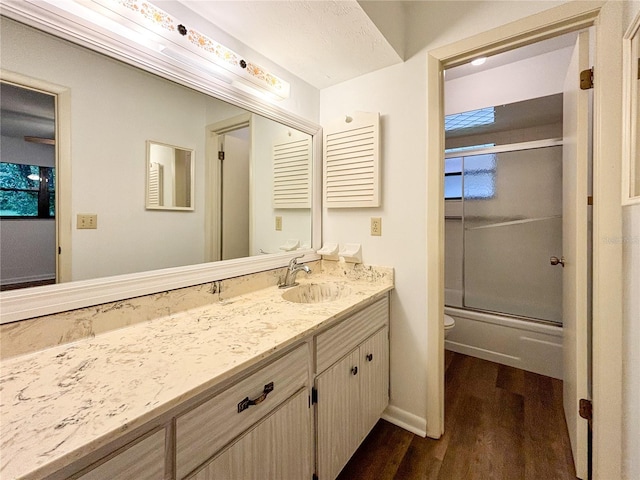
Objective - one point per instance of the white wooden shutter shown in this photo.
(352, 161)
(292, 174)
(155, 185)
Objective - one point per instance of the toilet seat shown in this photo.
(449, 322)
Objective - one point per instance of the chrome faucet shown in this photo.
(292, 271)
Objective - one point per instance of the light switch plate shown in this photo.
(87, 221)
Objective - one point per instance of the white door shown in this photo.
(574, 237)
(337, 415)
(374, 380)
(234, 194)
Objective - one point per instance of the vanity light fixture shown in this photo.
(144, 24)
(201, 50)
(478, 61)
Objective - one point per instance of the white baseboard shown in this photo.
(406, 420)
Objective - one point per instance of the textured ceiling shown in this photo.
(322, 42)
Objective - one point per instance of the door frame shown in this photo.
(64, 222)
(607, 349)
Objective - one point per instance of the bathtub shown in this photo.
(528, 345)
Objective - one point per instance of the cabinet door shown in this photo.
(374, 381)
(279, 447)
(338, 413)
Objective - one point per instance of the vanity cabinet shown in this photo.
(250, 425)
(268, 422)
(279, 447)
(353, 392)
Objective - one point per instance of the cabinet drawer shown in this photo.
(344, 337)
(144, 460)
(204, 430)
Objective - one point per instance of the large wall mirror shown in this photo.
(112, 109)
(631, 172)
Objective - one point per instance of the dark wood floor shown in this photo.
(500, 423)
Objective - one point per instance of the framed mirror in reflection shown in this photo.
(170, 177)
(106, 111)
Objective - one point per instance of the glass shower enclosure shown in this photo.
(512, 225)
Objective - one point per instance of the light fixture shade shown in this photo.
(186, 44)
(478, 61)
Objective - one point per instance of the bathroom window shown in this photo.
(26, 191)
(472, 118)
(471, 176)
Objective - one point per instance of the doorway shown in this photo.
(28, 187)
(607, 221)
(523, 210)
(227, 190)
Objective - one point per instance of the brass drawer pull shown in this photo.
(246, 403)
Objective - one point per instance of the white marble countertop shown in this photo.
(59, 404)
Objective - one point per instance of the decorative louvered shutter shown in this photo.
(155, 185)
(352, 161)
(292, 174)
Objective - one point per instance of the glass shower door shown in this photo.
(512, 211)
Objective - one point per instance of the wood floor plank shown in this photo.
(506, 456)
(379, 455)
(510, 379)
(419, 462)
(469, 441)
(544, 445)
(500, 423)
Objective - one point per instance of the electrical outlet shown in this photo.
(376, 226)
(279, 224)
(87, 221)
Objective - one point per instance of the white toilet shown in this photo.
(449, 324)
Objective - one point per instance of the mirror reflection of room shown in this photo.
(113, 110)
(27, 187)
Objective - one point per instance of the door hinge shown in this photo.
(589, 200)
(59, 250)
(586, 79)
(314, 477)
(314, 395)
(586, 410)
(220, 155)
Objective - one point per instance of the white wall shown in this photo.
(510, 83)
(399, 94)
(631, 325)
(28, 251)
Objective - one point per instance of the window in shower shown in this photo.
(478, 180)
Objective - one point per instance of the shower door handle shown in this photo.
(557, 261)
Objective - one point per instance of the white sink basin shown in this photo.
(316, 292)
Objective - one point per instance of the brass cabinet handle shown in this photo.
(246, 403)
(354, 370)
(369, 357)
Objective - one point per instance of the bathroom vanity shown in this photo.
(248, 386)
